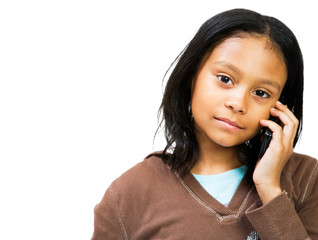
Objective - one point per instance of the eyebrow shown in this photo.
(271, 83)
(228, 65)
(237, 70)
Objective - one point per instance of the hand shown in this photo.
(268, 169)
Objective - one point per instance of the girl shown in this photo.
(232, 110)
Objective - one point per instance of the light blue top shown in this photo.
(222, 186)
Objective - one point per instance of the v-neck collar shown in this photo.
(236, 204)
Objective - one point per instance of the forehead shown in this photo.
(251, 56)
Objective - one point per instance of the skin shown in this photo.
(233, 95)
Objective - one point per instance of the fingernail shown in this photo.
(279, 103)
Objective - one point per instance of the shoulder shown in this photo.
(300, 164)
(300, 177)
(143, 176)
(148, 168)
(128, 196)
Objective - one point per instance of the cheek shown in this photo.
(204, 106)
(200, 102)
(254, 120)
(206, 97)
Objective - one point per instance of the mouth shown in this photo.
(228, 123)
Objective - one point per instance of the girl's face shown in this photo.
(234, 89)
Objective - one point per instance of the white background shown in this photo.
(80, 86)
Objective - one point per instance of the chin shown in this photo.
(229, 141)
(226, 143)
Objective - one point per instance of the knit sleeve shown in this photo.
(308, 212)
(108, 223)
(279, 219)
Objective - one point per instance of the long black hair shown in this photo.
(182, 151)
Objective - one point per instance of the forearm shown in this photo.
(277, 220)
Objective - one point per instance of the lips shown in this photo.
(229, 123)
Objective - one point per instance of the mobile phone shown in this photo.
(267, 133)
(266, 138)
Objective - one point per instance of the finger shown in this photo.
(289, 129)
(285, 118)
(275, 128)
(286, 110)
(289, 124)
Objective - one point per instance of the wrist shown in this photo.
(268, 192)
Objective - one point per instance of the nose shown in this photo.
(237, 103)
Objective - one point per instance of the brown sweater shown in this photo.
(149, 201)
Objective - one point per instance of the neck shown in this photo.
(214, 159)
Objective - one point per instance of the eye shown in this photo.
(225, 79)
(262, 94)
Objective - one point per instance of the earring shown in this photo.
(190, 112)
